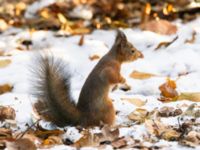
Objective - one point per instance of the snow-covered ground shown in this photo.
(178, 58)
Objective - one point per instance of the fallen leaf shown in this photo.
(80, 30)
(160, 26)
(94, 57)
(192, 139)
(87, 140)
(169, 111)
(109, 133)
(168, 89)
(139, 115)
(7, 113)
(190, 111)
(135, 101)
(20, 8)
(4, 63)
(5, 133)
(20, 144)
(45, 13)
(170, 135)
(5, 88)
(90, 139)
(119, 143)
(62, 18)
(141, 75)
(160, 130)
(52, 141)
(192, 40)
(192, 96)
(3, 25)
(31, 136)
(166, 44)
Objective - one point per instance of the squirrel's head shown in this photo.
(125, 50)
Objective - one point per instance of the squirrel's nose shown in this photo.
(140, 55)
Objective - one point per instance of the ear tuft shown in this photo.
(121, 37)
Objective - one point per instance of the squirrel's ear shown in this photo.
(121, 38)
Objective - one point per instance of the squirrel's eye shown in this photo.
(132, 51)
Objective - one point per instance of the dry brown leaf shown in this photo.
(135, 101)
(81, 41)
(192, 96)
(160, 27)
(190, 111)
(192, 139)
(5, 88)
(119, 143)
(110, 134)
(87, 140)
(169, 111)
(21, 144)
(5, 133)
(139, 115)
(168, 89)
(90, 139)
(94, 57)
(141, 75)
(31, 136)
(170, 135)
(161, 131)
(4, 63)
(166, 44)
(192, 40)
(7, 113)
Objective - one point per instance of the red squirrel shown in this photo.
(94, 107)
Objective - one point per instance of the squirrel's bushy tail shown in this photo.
(51, 87)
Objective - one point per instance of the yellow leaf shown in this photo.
(19, 8)
(45, 13)
(192, 96)
(141, 75)
(4, 63)
(52, 140)
(81, 30)
(62, 18)
(3, 25)
(135, 101)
